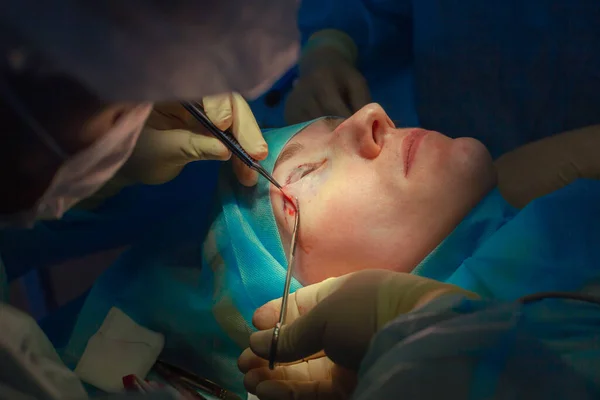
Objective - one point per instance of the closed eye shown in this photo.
(303, 170)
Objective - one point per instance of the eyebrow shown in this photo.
(290, 151)
(294, 148)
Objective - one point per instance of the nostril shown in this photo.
(369, 139)
(378, 131)
(375, 126)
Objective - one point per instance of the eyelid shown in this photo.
(311, 167)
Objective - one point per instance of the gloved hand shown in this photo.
(172, 138)
(549, 164)
(329, 83)
(337, 317)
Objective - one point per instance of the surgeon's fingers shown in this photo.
(183, 146)
(300, 105)
(338, 308)
(299, 303)
(245, 175)
(248, 361)
(357, 92)
(302, 338)
(310, 110)
(331, 99)
(311, 390)
(312, 370)
(172, 115)
(231, 111)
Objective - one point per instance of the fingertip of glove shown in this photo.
(266, 316)
(260, 343)
(261, 152)
(248, 179)
(243, 361)
(251, 381)
(268, 390)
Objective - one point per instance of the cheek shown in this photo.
(344, 229)
(460, 178)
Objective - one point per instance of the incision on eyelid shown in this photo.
(302, 170)
(290, 151)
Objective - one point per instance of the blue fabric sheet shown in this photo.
(502, 254)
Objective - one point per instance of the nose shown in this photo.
(364, 131)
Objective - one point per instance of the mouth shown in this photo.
(410, 146)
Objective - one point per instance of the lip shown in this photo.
(410, 146)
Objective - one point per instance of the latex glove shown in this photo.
(337, 317)
(173, 138)
(328, 84)
(549, 164)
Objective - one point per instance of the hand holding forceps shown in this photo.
(227, 138)
(286, 289)
(236, 149)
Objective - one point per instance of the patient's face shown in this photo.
(373, 196)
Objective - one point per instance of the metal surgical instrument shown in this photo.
(286, 289)
(183, 380)
(227, 138)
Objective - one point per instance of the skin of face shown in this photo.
(374, 196)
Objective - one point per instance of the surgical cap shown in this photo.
(201, 294)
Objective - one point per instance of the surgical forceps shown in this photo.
(190, 384)
(227, 138)
(286, 289)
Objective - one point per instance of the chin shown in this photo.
(476, 165)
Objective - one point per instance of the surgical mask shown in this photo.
(82, 174)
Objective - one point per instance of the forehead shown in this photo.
(312, 135)
(323, 125)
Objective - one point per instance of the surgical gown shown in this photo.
(495, 348)
(486, 350)
(505, 72)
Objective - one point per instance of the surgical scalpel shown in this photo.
(286, 289)
(227, 138)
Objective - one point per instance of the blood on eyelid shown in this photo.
(289, 205)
